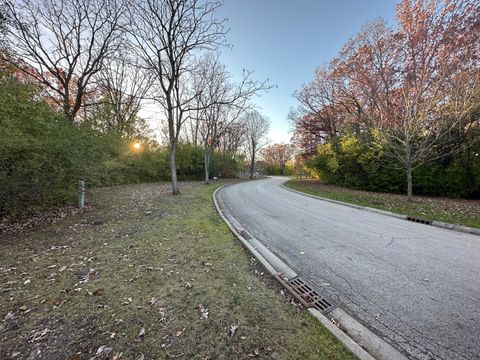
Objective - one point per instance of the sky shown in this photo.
(286, 40)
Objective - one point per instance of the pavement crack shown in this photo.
(389, 243)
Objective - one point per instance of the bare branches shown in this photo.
(124, 85)
(219, 103)
(63, 44)
(256, 131)
(167, 35)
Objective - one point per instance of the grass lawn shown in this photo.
(456, 211)
(146, 275)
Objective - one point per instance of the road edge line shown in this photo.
(354, 347)
(438, 224)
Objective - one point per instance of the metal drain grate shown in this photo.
(245, 235)
(417, 220)
(307, 296)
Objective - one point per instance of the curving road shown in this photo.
(415, 285)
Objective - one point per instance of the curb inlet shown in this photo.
(420, 221)
(306, 295)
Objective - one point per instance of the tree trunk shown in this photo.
(252, 165)
(408, 163)
(207, 163)
(173, 167)
(409, 183)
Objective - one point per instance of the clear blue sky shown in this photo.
(285, 40)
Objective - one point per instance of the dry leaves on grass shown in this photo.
(102, 350)
(16, 226)
(233, 330)
(204, 312)
(141, 334)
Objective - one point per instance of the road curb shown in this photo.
(237, 232)
(439, 224)
(364, 338)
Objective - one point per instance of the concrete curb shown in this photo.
(439, 224)
(356, 338)
(241, 234)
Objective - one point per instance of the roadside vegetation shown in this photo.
(144, 274)
(456, 211)
(398, 109)
(42, 155)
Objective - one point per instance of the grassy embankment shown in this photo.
(157, 277)
(455, 211)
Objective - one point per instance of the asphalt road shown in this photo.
(416, 286)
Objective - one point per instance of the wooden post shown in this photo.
(81, 194)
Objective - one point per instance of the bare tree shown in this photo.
(220, 103)
(232, 140)
(167, 34)
(63, 44)
(124, 85)
(3, 25)
(256, 131)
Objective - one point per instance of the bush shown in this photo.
(359, 162)
(42, 155)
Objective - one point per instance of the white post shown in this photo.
(81, 194)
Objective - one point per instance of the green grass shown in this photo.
(153, 264)
(455, 211)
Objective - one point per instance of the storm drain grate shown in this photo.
(307, 296)
(245, 235)
(420, 221)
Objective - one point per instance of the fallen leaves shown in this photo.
(13, 225)
(153, 301)
(233, 330)
(157, 304)
(204, 312)
(443, 209)
(101, 351)
(87, 277)
(180, 332)
(37, 335)
(9, 316)
(254, 353)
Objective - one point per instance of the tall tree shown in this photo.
(402, 84)
(167, 35)
(220, 103)
(257, 127)
(409, 73)
(63, 44)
